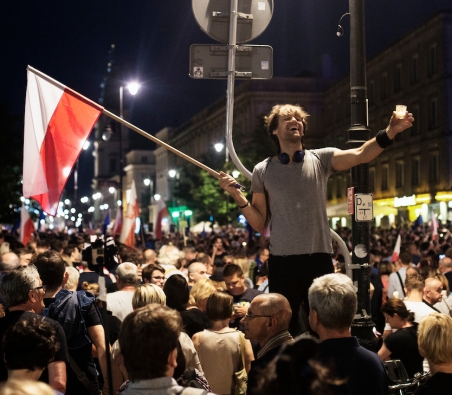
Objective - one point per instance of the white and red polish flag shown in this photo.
(129, 223)
(396, 253)
(117, 227)
(26, 226)
(162, 212)
(434, 226)
(57, 123)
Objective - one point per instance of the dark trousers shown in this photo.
(292, 275)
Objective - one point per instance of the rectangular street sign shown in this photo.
(211, 61)
(364, 210)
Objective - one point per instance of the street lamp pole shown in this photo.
(358, 134)
(121, 163)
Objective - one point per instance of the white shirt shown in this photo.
(120, 303)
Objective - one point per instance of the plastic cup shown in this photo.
(400, 111)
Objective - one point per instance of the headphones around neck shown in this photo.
(298, 156)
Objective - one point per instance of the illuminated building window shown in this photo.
(399, 173)
(415, 172)
(433, 171)
(385, 177)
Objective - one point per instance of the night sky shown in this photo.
(69, 41)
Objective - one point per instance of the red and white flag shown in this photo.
(434, 226)
(57, 123)
(396, 253)
(162, 212)
(128, 227)
(26, 226)
(117, 227)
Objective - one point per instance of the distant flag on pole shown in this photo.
(117, 227)
(418, 222)
(162, 212)
(57, 123)
(26, 226)
(91, 230)
(434, 226)
(396, 253)
(41, 216)
(106, 223)
(128, 227)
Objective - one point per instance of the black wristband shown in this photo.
(382, 139)
(246, 205)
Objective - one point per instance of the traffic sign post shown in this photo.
(211, 61)
(232, 23)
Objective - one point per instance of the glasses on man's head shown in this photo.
(158, 278)
(250, 315)
(43, 287)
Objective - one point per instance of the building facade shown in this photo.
(413, 176)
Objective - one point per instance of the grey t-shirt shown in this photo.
(297, 201)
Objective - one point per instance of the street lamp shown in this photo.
(172, 173)
(219, 147)
(133, 88)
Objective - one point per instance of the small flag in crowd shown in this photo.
(162, 212)
(396, 253)
(57, 123)
(117, 227)
(434, 226)
(418, 222)
(128, 227)
(26, 226)
(106, 222)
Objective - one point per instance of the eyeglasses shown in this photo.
(43, 287)
(158, 278)
(250, 316)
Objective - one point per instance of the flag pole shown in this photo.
(160, 142)
(167, 146)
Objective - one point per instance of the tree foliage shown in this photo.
(201, 192)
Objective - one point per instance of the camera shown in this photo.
(100, 253)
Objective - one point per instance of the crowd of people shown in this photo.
(213, 296)
(232, 313)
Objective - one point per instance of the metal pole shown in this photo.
(231, 72)
(121, 163)
(358, 134)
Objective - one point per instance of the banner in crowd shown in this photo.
(129, 223)
(26, 226)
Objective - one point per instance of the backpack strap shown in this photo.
(401, 283)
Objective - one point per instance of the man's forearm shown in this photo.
(57, 376)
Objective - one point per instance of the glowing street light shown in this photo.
(157, 197)
(172, 173)
(147, 182)
(133, 88)
(219, 147)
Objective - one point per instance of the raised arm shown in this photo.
(254, 212)
(345, 159)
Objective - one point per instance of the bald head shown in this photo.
(149, 256)
(197, 271)
(432, 290)
(9, 262)
(274, 305)
(445, 265)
